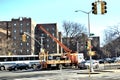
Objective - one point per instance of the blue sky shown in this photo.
(57, 11)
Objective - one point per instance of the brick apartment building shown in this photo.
(48, 43)
(14, 29)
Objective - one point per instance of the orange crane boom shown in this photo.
(56, 40)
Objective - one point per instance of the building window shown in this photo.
(28, 31)
(14, 31)
(27, 24)
(21, 44)
(21, 50)
(47, 29)
(52, 40)
(47, 46)
(47, 40)
(53, 34)
(14, 24)
(27, 37)
(14, 51)
(14, 44)
(21, 24)
(21, 31)
(14, 37)
(42, 34)
(27, 50)
(27, 44)
(53, 29)
(53, 51)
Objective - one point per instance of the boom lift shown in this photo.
(58, 60)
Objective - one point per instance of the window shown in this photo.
(53, 29)
(27, 44)
(14, 51)
(14, 31)
(28, 31)
(14, 37)
(47, 40)
(47, 29)
(27, 50)
(14, 44)
(47, 46)
(27, 24)
(21, 31)
(42, 34)
(47, 35)
(21, 50)
(21, 44)
(14, 24)
(21, 24)
(53, 34)
(27, 37)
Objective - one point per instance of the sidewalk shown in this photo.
(87, 72)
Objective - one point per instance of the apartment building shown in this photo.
(14, 30)
(48, 43)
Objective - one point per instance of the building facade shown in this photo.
(15, 29)
(48, 43)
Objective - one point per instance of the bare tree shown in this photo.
(112, 33)
(112, 40)
(75, 34)
(6, 46)
(72, 29)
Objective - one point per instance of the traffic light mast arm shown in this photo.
(31, 37)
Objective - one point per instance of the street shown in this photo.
(64, 74)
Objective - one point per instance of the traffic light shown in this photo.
(103, 7)
(24, 37)
(88, 44)
(94, 8)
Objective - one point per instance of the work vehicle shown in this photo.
(69, 58)
(19, 66)
(86, 64)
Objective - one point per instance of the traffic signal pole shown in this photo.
(41, 44)
(91, 66)
(88, 15)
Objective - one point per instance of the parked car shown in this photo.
(2, 67)
(108, 60)
(19, 66)
(86, 64)
(101, 61)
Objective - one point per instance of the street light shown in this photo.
(91, 67)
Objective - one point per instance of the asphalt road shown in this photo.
(64, 74)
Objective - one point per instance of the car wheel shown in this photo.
(16, 69)
(34, 67)
(2, 68)
(96, 66)
(26, 68)
(88, 67)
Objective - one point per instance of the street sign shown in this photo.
(91, 53)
